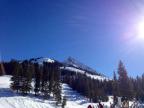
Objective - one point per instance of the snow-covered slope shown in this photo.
(46, 60)
(40, 60)
(8, 99)
(75, 63)
(72, 64)
(93, 76)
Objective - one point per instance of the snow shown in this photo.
(43, 59)
(22, 102)
(97, 77)
(48, 60)
(102, 78)
(74, 69)
(77, 64)
(9, 99)
(5, 81)
(75, 99)
(72, 95)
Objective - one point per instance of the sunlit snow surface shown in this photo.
(97, 77)
(9, 99)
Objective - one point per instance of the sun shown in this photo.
(140, 30)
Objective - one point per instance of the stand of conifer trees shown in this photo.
(94, 90)
(46, 78)
(47, 82)
(126, 87)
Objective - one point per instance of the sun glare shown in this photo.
(140, 30)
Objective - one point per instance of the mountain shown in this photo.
(40, 60)
(71, 62)
(74, 65)
(71, 65)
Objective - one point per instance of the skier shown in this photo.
(112, 105)
(89, 106)
(100, 105)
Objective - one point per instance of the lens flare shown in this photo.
(140, 30)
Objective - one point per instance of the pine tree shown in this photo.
(51, 76)
(139, 88)
(2, 69)
(26, 77)
(30, 75)
(45, 81)
(38, 73)
(56, 83)
(115, 88)
(15, 85)
(142, 95)
(123, 82)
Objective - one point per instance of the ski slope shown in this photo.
(9, 99)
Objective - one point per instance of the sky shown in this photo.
(98, 33)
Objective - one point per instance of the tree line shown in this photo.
(47, 79)
(94, 90)
(44, 80)
(98, 90)
(128, 87)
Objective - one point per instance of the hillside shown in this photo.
(44, 82)
(73, 65)
(9, 99)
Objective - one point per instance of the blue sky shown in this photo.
(96, 32)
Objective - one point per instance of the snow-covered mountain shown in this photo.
(93, 76)
(40, 60)
(75, 63)
(71, 64)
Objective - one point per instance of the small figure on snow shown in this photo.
(111, 105)
(100, 105)
(89, 106)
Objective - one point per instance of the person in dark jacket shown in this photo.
(100, 105)
(89, 106)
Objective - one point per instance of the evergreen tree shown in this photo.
(48, 77)
(51, 76)
(139, 88)
(15, 85)
(38, 73)
(26, 77)
(45, 81)
(115, 88)
(123, 82)
(1, 69)
(56, 83)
